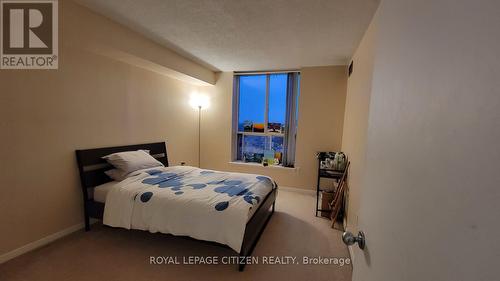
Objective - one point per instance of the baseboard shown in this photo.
(298, 190)
(39, 243)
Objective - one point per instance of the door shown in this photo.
(430, 196)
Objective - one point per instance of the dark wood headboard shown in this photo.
(91, 165)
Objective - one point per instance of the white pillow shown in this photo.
(116, 174)
(130, 161)
(119, 175)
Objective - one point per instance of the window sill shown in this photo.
(261, 166)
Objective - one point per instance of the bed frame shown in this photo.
(91, 167)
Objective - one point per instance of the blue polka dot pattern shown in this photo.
(153, 172)
(165, 180)
(153, 181)
(170, 183)
(197, 185)
(231, 187)
(238, 188)
(221, 206)
(266, 179)
(146, 196)
(232, 182)
(170, 175)
(216, 182)
(232, 190)
(160, 177)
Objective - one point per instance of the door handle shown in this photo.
(349, 239)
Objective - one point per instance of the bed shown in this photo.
(250, 204)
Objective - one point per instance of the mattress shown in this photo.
(101, 191)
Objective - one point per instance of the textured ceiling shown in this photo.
(243, 35)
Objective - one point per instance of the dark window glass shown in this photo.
(253, 148)
(277, 143)
(277, 147)
(277, 102)
(252, 103)
(239, 147)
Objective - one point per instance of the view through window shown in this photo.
(265, 103)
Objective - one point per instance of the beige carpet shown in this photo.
(116, 254)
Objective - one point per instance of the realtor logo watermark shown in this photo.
(267, 260)
(29, 34)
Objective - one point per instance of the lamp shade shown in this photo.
(199, 101)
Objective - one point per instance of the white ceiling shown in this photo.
(243, 35)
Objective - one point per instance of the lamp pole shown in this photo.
(199, 136)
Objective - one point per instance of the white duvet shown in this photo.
(182, 200)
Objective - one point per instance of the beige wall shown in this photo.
(90, 101)
(356, 120)
(321, 114)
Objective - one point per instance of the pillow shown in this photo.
(130, 161)
(117, 175)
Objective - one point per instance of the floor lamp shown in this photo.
(199, 102)
(199, 135)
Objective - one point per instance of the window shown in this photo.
(265, 119)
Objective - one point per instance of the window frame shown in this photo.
(236, 107)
